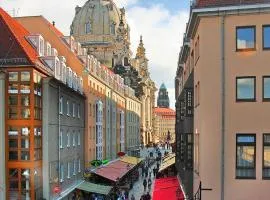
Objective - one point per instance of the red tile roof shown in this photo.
(114, 170)
(214, 3)
(19, 33)
(53, 28)
(164, 111)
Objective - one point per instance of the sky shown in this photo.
(160, 22)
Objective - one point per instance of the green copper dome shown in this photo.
(163, 86)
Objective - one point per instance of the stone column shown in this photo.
(2, 137)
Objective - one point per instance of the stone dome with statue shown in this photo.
(101, 27)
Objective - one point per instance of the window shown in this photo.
(61, 173)
(13, 76)
(245, 38)
(79, 165)
(61, 139)
(266, 88)
(13, 100)
(74, 139)
(68, 170)
(88, 27)
(245, 88)
(25, 113)
(266, 37)
(245, 156)
(73, 109)
(61, 105)
(68, 140)
(266, 156)
(79, 112)
(79, 139)
(13, 88)
(25, 76)
(74, 167)
(68, 108)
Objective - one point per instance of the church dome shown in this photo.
(97, 17)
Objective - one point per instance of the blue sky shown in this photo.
(161, 22)
(172, 5)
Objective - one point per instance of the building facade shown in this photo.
(22, 122)
(63, 136)
(164, 119)
(222, 100)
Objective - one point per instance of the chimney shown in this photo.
(53, 23)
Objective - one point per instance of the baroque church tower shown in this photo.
(163, 97)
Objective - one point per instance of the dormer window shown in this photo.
(88, 27)
(48, 49)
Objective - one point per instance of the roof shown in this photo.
(167, 162)
(167, 188)
(20, 34)
(94, 188)
(164, 111)
(215, 3)
(163, 86)
(114, 170)
(131, 160)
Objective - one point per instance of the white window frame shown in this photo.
(68, 170)
(74, 139)
(79, 138)
(61, 173)
(74, 167)
(78, 112)
(73, 109)
(68, 108)
(68, 139)
(61, 105)
(79, 166)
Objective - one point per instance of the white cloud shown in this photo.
(162, 31)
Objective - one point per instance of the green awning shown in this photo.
(94, 188)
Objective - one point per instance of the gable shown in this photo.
(10, 50)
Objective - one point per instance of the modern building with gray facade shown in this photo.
(63, 139)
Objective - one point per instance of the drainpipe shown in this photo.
(223, 82)
(2, 136)
(59, 130)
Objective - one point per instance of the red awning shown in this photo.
(115, 170)
(167, 188)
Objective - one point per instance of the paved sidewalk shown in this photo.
(138, 189)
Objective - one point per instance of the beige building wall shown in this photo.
(240, 117)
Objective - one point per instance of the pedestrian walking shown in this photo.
(149, 184)
(144, 184)
(132, 197)
(155, 171)
(147, 196)
(150, 173)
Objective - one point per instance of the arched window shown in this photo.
(126, 61)
(88, 27)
